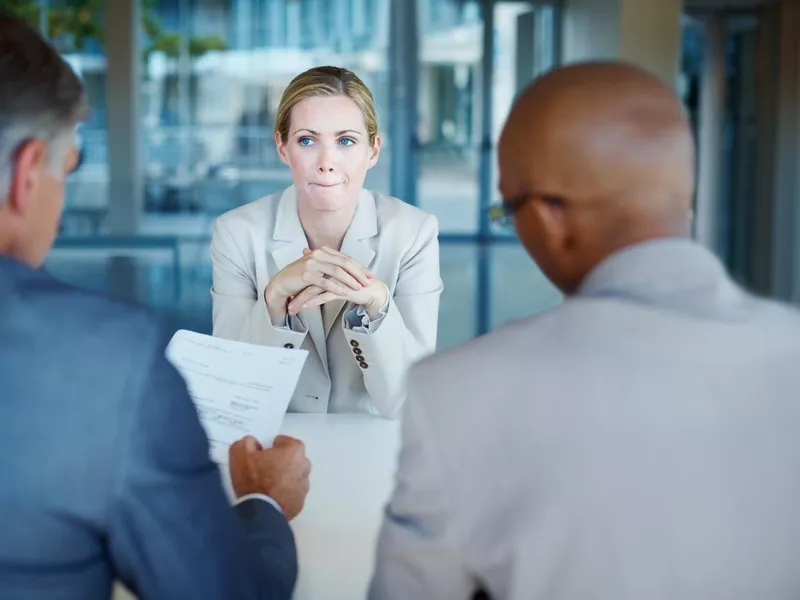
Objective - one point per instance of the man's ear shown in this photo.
(376, 152)
(553, 225)
(30, 163)
(280, 145)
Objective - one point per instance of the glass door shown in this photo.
(464, 94)
(474, 57)
(448, 131)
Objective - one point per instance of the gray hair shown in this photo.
(41, 98)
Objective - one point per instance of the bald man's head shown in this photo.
(597, 156)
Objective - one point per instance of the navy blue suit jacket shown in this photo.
(104, 467)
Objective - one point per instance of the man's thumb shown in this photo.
(251, 444)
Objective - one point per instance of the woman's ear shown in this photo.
(375, 152)
(280, 145)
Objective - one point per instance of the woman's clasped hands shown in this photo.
(320, 276)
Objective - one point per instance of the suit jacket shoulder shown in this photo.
(79, 328)
(256, 216)
(392, 210)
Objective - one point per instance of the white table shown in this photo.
(353, 460)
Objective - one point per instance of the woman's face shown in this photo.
(328, 151)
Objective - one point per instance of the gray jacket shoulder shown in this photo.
(256, 214)
(449, 378)
(407, 219)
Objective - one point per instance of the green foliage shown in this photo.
(71, 24)
(170, 44)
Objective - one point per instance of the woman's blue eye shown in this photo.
(347, 142)
(305, 141)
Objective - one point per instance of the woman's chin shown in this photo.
(328, 199)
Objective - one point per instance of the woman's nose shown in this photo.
(326, 163)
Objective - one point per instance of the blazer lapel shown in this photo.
(289, 239)
(358, 242)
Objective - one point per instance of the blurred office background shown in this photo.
(184, 94)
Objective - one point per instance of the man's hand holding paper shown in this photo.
(280, 472)
(238, 389)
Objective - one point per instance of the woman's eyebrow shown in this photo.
(342, 132)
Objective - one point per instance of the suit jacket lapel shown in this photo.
(289, 239)
(359, 240)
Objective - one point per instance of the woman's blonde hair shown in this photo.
(326, 81)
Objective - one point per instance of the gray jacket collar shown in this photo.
(671, 272)
(289, 230)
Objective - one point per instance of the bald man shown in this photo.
(639, 442)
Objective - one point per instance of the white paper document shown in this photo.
(238, 389)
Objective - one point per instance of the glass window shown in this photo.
(209, 135)
(452, 94)
(453, 155)
(212, 75)
(518, 287)
(449, 125)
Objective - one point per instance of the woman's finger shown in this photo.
(329, 255)
(296, 303)
(320, 300)
(329, 285)
(338, 273)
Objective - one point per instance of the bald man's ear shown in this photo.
(551, 215)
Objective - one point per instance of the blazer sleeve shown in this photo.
(419, 550)
(239, 311)
(171, 531)
(407, 332)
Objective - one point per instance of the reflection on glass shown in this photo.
(451, 90)
(449, 111)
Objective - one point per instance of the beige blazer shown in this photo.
(349, 369)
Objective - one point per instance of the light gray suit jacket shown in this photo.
(349, 369)
(641, 441)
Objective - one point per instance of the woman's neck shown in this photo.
(325, 228)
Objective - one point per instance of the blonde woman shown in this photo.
(348, 274)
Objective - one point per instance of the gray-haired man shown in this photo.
(104, 468)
